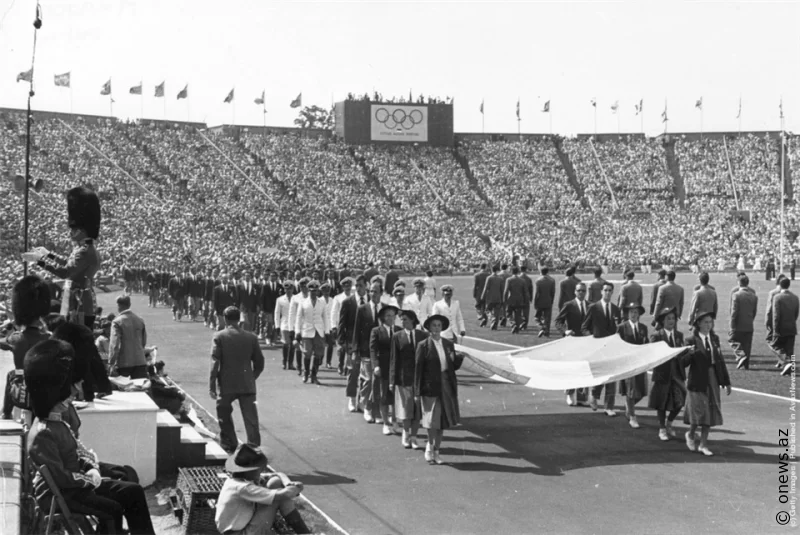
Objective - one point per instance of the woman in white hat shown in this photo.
(435, 384)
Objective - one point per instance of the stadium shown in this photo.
(303, 218)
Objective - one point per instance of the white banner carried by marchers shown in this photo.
(571, 362)
(407, 123)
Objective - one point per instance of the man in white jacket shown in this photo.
(282, 323)
(451, 309)
(312, 329)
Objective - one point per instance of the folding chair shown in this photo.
(74, 523)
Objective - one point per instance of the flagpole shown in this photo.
(595, 115)
(739, 116)
(141, 99)
(70, 97)
(619, 129)
(783, 188)
(550, 114)
(641, 116)
(110, 105)
(666, 117)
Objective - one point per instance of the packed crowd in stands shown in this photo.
(172, 193)
(377, 97)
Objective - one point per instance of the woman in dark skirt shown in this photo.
(668, 391)
(435, 384)
(633, 389)
(707, 373)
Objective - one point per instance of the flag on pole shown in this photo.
(410, 96)
(160, 90)
(739, 114)
(518, 108)
(296, 103)
(639, 106)
(780, 107)
(183, 92)
(136, 90)
(664, 114)
(594, 102)
(260, 100)
(699, 104)
(615, 107)
(481, 105)
(61, 80)
(26, 76)
(229, 98)
(106, 90)
(546, 108)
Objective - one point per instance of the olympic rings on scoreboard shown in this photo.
(398, 118)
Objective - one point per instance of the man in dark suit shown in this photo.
(704, 299)
(515, 296)
(601, 321)
(670, 295)
(366, 320)
(526, 310)
(380, 350)
(662, 279)
(785, 310)
(177, 291)
(345, 334)
(770, 296)
(225, 295)
(630, 292)
(595, 290)
(391, 278)
(344, 272)
(236, 363)
(332, 278)
(210, 281)
(479, 282)
(128, 340)
(566, 288)
(271, 290)
(570, 321)
(371, 271)
(492, 296)
(249, 294)
(744, 306)
(544, 297)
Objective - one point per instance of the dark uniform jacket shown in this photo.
(597, 324)
(545, 292)
(402, 357)
(428, 369)
(699, 362)
(380, 347)
(236, 361)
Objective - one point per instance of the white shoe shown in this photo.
(690, 443)
(351, 405)
(705, 451)
(787, 369)
(662, 434)
(436, 457)
(413, 442)
(570, 401)
(405, 440)
(368, 418)
(378, 420)
(671, 431)
(633, 422)
(387, 430)
(429, 453)
(610, 412)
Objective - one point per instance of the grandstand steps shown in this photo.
(372, 179)
(267, 173)
(179, 445)
(569, 169)
(148, 152)
(473, 183)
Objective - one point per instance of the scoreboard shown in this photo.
(361, 122)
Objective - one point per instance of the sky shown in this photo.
(665, 53)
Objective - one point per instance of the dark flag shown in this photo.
(184, 92)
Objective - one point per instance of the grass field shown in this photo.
(762, 376)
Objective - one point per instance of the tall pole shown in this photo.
(27, 177)
(595, 116)
(783, 189)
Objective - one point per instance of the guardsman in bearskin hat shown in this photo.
(78, 271)
(48, 372)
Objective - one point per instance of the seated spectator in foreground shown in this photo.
(30, 302)
(163, 393)
(51, 443)
(248, 503)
